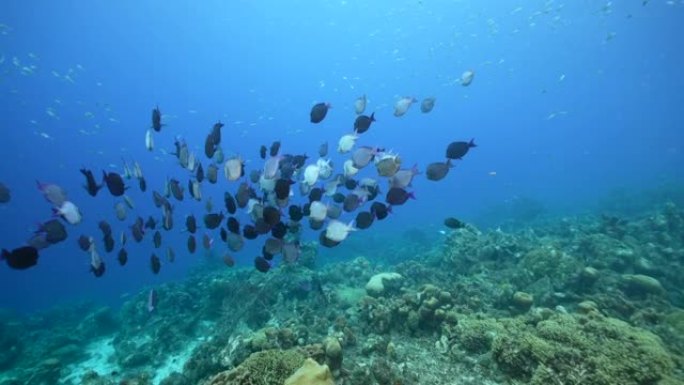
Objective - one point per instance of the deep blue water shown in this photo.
(569, 101)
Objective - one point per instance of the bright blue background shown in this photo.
(259, 66)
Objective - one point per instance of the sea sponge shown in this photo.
(311, 373)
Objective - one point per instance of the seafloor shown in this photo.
(584, 300)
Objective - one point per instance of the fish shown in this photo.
(158, 199)
(438, 170)
(325, 241)
(84, 242)
(291, 252)
(52, 193)
(274, 149)
(192, 244)
(323, 150)
(279, 230)
(195, 190)
(191, 224)
(261, 264)
(207, 241)
(311, 174)
(388, 165)
(351, 202)
(363, 123)
(403, 178)
(229, 202)
(319, 111)
(233, 225)
(152, 300)
(380, 210)
(176, 189)
(228, 260)
(262, 151)
(234, 168)
(209, 205)
(427, 105)
(120, 211)
(360, 104)
(402, 105)
(69, 212)
(398, 196)
(271, 215)
(315, 194)
(212, 173)
(334, 212)
(97, 265)
(157, 239)
(364, 220)
(209, 147)
(20, 258)
(363, 156)
(346, 143)
(151, 223)
(250, 232)
(105, 227)
(170, 255)
(155, 263)
(467, 77)
(115, 183)
(282, 188)
(453, 223)
(54, 231)
(123, 239)
(122, 257)
(457, 150)
(338, 231)
(318, 211)
(129, 202)
(295, 213)
(91, 185)
(167, 218)
(271, 167)
(137, 230)
(108, 241)
(218, 155)
(235, 242)
(213, 220)
(149, 141)
(199, 175)
(349, 169)
(156, 119)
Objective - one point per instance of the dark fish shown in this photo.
(250, 232)
(380, 210)
(334, 212)
(156, 119)
(323, 150)
(108, 243)
(397, 196)
(91, 186)
(316, 194)
(224, 234)
(151, 223)
(363, 123)
(137, 230)
(453, 223)
(268, 256)
(351, 202)
(364, 220)
(315, 224)
(318, 112)
(282, 188)
(338, 197)
(5, 194)
(298, 161)
(279, 230)
(142, 183)
(84, 242)
(261, 226)
(157, 239)
(20, 258)
(230, 203)
(212, 173)
(275, 148)
(457, 150)
(427, 105)
(244, 194)
(235, 242)
(438, 170)
(105, 228)
(216, 132)
(122, 257)
(255, 176)
(176, 189)
(271, 215)
(295, 213)
(233, 225)
(273, 246)
(350, 184)
(228, 260)
(191, 224)
(192, 244)
(325, 241)
(200, 173)
(155, 263)
(115, 183)
(209, 147)
(54, 231)
(213, 220)
(158, 199)
(262, 264)
(262, 151)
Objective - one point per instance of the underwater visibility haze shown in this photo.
(347, 192)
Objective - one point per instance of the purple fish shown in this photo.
(52, 193)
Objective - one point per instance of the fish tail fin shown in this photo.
(56, 212)
(412, 195)
(415, 170)
(372, 117)
(4, 254)
(472, 143)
